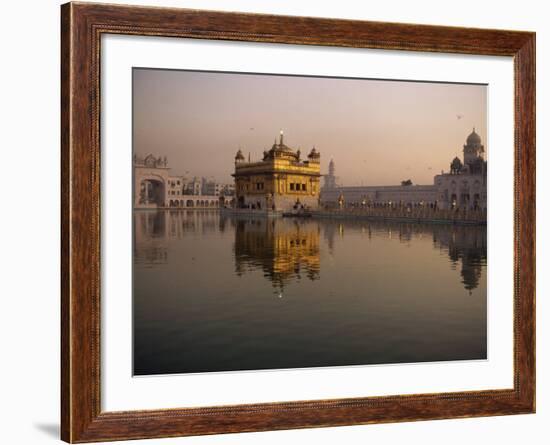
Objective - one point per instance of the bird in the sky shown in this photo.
(459, 116)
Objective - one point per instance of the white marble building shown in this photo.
(464, 186)
(155, 187)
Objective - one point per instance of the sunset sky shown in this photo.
(378, 132)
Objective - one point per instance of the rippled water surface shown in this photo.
(218, 293)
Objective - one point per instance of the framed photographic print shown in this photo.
(276, 222)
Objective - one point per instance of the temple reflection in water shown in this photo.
(288, 249)
(227, 293)
(285, 249)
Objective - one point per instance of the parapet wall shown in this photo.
(394, 193)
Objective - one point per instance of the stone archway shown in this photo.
(151, 192)
(150, 188)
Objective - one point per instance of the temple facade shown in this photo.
(280, 181)
(464, 186)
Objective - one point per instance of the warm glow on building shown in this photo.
(280, 181)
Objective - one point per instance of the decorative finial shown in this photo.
(281, 136)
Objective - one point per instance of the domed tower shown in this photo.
(282, 151)
(473, 150)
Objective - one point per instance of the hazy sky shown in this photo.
(377, 132)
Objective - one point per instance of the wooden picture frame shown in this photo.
(82, 25)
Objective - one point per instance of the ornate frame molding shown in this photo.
(82, 25)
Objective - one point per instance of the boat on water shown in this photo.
(300, 213)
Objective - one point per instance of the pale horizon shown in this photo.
(378, 132)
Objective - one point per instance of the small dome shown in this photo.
(281, 147)
(473, 138)
(313, 153)
(239, 156)
(456, 165)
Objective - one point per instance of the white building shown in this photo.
(217, 188)
(194, 187)
(150, 181)
(464, 186)
(154, 187)
(176, 186)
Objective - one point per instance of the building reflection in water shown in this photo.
(150, 238)
(289, 249)
(154, 230)
(207, 292)
(467, 249)
(285, 249)
(466, 246)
